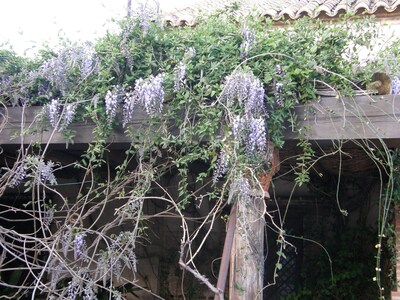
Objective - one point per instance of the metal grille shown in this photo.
(288, 277)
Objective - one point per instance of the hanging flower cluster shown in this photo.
(279, 93)
(80, 246)
(248, 41)
(180, 70)
(245, 90)
(112, 99)
(119, 254)
(396, 85)
(57, 69)
(222, 165)
(244, 95)
(148, 12)
(60, 117)
(179, 75)
(18, 175)
(33, 166)
(82, 285)
(148, 94)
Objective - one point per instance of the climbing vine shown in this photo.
(220, 95)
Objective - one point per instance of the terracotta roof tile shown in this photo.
(279, 9)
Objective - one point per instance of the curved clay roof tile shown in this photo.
(278, 9)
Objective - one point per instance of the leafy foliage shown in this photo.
(213, 94)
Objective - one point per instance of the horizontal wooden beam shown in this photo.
(350, 118)
(330, 118)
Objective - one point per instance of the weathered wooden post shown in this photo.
(247, 255)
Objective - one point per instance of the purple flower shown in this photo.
(68, 116)
(146, 13)
(57, 119)
(129, 107)
(396, 85)
(255, 101)
(44, 172)
(111, 100)
(89, 292)
(65, 240)
(134, 205)
(248, 41)
(73, 289)
(238, 127)
(257, 138)
(54, 113)
(87, 60)
(60, 69)
(48, 215)
(148, 93)
(79, 246)
(179, 76)
(222, 165)
(279, 93)
(247, 90)
(55, 275)
(55, 70)
(18, 176)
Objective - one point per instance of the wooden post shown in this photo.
(247, 256)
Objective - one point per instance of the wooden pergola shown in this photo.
(374, 120)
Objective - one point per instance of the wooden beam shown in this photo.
(246, 278)
(361, 117)
(327, 119)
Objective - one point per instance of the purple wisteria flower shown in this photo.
(148, 93)
(279, 93)
(248, 41)
(144, 15)
(180, 70)
(48, 214)
(73, 289)
(79, 246)
(67, 116)
(66, 239)
(55, 273)
(257, 137)
(148, 12)
(44, 172)
(395, 85)
(134, 205)
(59, 70)
(54, 113)
(58, 117)
(89, 291)
(87, 60)
(222, 165)
(247, 90)
(111, 100)
(129, 107)
(238, 128)
(179, 76)
(55, 70)
(18, 175)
